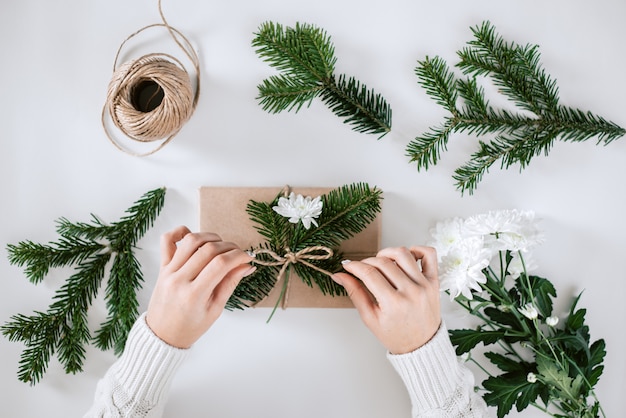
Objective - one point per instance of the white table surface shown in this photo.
(55, 161)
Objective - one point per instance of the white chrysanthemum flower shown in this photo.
(531, 377)
(461, 270)
(551, 321)
(446, 234)
(298, 208)
(513, 230)
(529, 311)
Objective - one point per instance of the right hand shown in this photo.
(397, 295)
(199, 272)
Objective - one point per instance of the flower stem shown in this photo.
(281, 297)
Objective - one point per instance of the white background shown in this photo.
(55, 161)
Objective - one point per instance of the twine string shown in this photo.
(172, 97)
(289, 258)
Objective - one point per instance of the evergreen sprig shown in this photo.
(89, 249)
(518, 137)
(305, 57)
(347, 210)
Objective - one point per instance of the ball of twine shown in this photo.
(170, 101)
(151, 98)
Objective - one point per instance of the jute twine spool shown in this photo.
(150, 98)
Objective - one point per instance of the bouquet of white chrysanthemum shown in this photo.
(546, 361)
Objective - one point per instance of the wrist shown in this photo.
(414, 340)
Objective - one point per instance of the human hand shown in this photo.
(397, 296)
(198, 274)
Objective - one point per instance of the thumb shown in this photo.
(227, 286)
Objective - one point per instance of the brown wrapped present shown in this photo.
(223, 211)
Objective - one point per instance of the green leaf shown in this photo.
(597, 353)
(553, 374)
(503, 318)
(507, 364)
(510, 389)
(576, 320)
(541, 292)
(467, 339)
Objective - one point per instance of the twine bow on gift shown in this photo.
(289, 258)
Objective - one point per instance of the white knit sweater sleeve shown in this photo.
(438, 384)
(137, 384)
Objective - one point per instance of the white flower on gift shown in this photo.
(462, 268)
(299, 208)
(529, 311)
(531, 377)
(551, 321)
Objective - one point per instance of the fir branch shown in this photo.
(94, 231)
(440, 83)
(517, 72)
(278, 93)
(305, 57)
(313, 277)
(125, 280)
(40, 258)
(347, 211)
(367, 111)
(269, 224)
(303, 53)
(253, 288)
(63, 329)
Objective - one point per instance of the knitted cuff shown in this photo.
(432, 373)
(147, 366)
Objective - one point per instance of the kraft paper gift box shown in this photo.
(223, 211)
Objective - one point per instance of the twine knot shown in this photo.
(289, 257)
(308, 253)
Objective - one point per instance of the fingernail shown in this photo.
(251, 253)
(251, 270)
(345, 261)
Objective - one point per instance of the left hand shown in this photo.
(199, 272)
